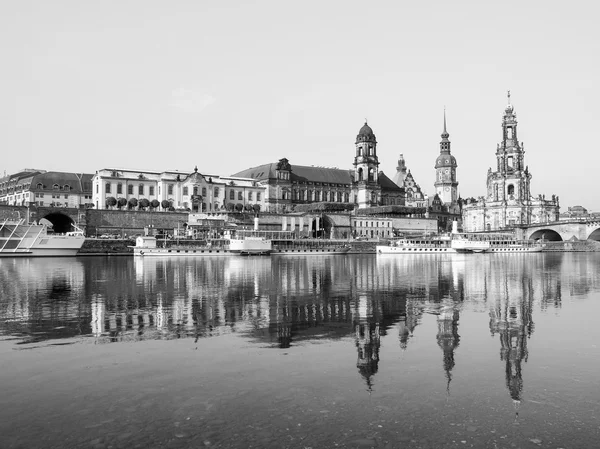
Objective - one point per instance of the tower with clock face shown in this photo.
(446, 185)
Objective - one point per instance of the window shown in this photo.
(97, 188)
(170, 189)
(240, 196)
(203, 191)
(106, 187)
(511, 189)
(232, 195)
(249, 196)
(130, 189)
(55, 187)
(151, 193)
(41, 186)
(67, 187)
(317, 196)
(141, 189)
(66, 197)
(185, 191)
(216, 191)
(257, 196)
(119, 188)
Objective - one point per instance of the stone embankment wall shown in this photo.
(131, 222)
(573, 246)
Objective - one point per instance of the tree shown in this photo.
(133, 202)
(144, 203)
(239, 207)
(256, 208)
(165, 204)
(121, 202)
(154, 203)
(230, 207)
(111, 201)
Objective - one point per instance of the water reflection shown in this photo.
(288, 301)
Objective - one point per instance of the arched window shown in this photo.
(106, 187)
(141, 189)
(232, 194)
(40, 185)
(119, 188)
(511, 189)
(360, 174)
(67, 187)
(371, 175)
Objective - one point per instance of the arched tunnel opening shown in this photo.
(61, 223)
(595, 235)
(546, 234)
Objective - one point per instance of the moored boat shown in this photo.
(310, 247)
(431, 245)
(461, 243)
(147, 247)
(20, 239)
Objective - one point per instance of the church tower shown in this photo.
(446, 185)
(366, 165)
(509, 184)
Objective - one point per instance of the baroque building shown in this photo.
(508, 201)
(413, 196)
(287, 186)
(196, 192)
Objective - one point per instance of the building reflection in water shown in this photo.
(285, 301)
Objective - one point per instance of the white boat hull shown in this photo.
(23, 240)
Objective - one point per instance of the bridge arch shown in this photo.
(546, 234)
(61, 223)
(595, 235)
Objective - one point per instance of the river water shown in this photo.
(408, 351)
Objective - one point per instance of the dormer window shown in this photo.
(55, 186)
(40, 185)
(67, 187)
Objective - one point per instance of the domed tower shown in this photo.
(446, 185)
(510, 182)
(366, 165)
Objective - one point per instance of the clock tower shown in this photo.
(446, 185)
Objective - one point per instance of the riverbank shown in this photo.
(122, 247)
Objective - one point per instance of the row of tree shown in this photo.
(132, 203)
(144, 204)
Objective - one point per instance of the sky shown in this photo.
(228, 85)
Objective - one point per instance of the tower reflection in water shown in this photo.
(286, 301)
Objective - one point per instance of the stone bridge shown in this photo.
(561, 230)
(61, 217)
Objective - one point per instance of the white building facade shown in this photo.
(175, 190)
